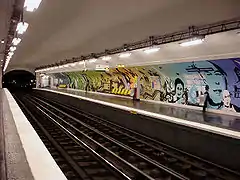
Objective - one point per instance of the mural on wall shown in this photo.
(182, 83)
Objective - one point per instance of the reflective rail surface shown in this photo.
(125, 153)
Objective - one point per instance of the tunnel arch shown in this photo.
(18, 79)
(19, 68)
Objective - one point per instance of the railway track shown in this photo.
(148, 159)
(130, 162)
(74, 157)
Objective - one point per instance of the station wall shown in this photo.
(182, 83)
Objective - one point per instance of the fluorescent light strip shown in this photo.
(8, 58)
(92, 60)
(10, 54)
(125, 55)
(12, 48)
(81, 62)
(151, 50)
(120, 65)
(16, 41)
(6, 64)
(22, 27)
(106, 58)
(192, 42)
(31, 5)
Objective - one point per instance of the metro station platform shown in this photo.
(23, 147)
(211, 136)
(222, 124)
(23, 156)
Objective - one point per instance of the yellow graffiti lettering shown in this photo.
(121, 91)
(126, 92)
(114, 90)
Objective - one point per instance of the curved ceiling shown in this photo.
(217, 46)
(64, 29)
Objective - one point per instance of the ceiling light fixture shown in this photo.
(16, 41)
(125, 55)
(31, 5)
(73, 64)
(192, 42)
(22, 27)
(2, 41)
(12, 48)
(106, 58)
(92, 60)
(81, 62)
(8, 59)
(6, 64)
(120, 66)
(151, 50)
(10, 54)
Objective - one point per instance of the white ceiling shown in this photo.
(217, 46)
(64, 29)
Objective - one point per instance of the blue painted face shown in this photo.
(215, 80)
(216, 83)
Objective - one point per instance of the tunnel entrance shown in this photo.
(19, 80)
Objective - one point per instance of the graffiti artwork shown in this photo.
(182, 83)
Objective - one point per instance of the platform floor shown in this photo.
(227, 122)
(3, 173)
(17, 167)
(22, 146)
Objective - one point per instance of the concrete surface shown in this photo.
(16, 162)
(26, 156)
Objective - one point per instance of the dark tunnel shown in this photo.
(19, 80)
